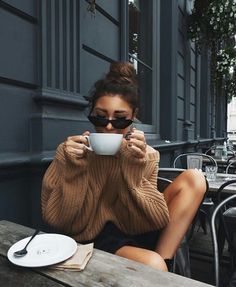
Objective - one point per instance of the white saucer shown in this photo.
(43, 250)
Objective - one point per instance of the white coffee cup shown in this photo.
(104, 143)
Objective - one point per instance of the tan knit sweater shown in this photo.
(80, 195)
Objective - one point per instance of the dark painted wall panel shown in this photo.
(111, 7)
(180, 130)
(180, 65)
(35, 207)
(15, 109)
(192, 113)
(54, 131)
(15, 198)
(192, 95)
(192, 77)
(193, 59)
(99, 33)
(180, 112)
(181, 44)
(27, 6)
(181, 4)
(180, 88)
(181, 24)
(18, 48)
(92, 69)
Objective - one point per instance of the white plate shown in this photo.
(43, 250)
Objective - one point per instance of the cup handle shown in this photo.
(88, 147)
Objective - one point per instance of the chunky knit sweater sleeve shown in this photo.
(63, 194)
(140, 176)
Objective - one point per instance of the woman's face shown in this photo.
(112, 107)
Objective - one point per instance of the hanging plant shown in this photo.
(212, 25)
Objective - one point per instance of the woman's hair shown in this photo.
(120, 80)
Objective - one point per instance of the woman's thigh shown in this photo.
(192, 180)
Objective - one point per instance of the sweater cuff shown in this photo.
(132, 167)
(127, 155)
(67, 158)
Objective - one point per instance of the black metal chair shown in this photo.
(227, 224)
(223, 235)
(181, 156)
(181, 259)
(231, 166)
(211, 150)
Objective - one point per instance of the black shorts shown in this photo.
(110, 239)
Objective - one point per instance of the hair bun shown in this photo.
(122, 72)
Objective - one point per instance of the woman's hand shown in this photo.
(75, 145)
(136, 143)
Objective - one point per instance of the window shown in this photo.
(141, 53)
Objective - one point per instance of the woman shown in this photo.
(113, 200)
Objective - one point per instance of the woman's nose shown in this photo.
(109, 126)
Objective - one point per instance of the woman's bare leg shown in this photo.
(142, 255)
(183, 197)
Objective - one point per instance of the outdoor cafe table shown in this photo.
(103, 269)
(220, 179)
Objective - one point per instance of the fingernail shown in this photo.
(127, 136)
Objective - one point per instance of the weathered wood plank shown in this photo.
(103, 269)
(11, 275)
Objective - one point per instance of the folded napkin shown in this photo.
(78, 261)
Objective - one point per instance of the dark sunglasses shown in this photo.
(103, 122)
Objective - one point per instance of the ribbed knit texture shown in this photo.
(80, 195)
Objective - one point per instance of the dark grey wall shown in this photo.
(18, 81)
(190, 108)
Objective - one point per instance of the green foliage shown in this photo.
(212, 25)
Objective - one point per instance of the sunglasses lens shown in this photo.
(98, 122)
(121, 123)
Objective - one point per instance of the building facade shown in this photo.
(51, 53)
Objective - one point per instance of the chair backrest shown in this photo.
(196, 158)
(231, 165)
(214, 233)
(211, 150)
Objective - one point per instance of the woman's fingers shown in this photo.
(139, 144)
(77, 139)
(136, 141)
(75, 145)
(137, 151)
(76, 151)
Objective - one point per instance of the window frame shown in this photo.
(152, 131)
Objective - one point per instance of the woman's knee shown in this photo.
(144, 256)
(195, 180)
(155, 261)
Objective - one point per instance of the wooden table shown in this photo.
(103, 269)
